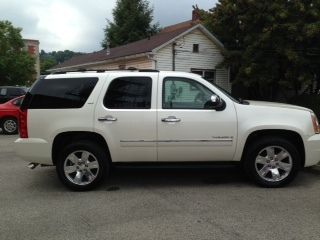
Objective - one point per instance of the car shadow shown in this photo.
(45, 179)
(178, 176)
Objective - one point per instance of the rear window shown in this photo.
(59, 93)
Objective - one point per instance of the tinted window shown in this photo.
(59, 93)
(182, 93)
(129, 93)
(15, 92)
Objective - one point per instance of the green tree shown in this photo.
(46, 64)
(132, 22)
(50, 59)
(272, 45)
(16, 66)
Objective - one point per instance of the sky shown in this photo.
(77, 25)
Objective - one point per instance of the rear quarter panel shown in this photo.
(48, 123)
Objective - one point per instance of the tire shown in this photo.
(9, 126)
(272, 171)
(82, 165)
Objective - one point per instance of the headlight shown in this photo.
(315, 123)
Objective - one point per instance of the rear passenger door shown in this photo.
(126, 116)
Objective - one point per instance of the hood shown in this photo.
(278, 105)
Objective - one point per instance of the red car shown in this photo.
(9, 115)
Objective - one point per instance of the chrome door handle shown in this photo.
(171, 119)
(107, 119)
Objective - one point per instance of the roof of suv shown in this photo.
(92, 73)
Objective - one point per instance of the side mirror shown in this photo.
(215, 100)
(216, 103)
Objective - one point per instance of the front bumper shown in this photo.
(34, 150)
(312, 149)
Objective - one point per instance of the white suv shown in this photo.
(82, 122)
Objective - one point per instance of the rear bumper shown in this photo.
(312, 148)
(34, 150)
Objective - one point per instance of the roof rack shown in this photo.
(105, 70)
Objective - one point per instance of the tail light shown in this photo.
(23, 124)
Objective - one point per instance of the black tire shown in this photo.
(255, 148)
(99, 155)
(9, 126)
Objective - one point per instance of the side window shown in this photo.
(183, 93)
(14, 92)
(22, 91)
(129, 93)
(60, 93)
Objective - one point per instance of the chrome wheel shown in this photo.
(273, 163)
(10, 126)
(81, 167)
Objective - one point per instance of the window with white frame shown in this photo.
(207, 74)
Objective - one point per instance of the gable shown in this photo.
(208, 57)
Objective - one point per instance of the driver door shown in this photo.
(187, 131)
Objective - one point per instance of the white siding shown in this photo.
(140, 63)
(222, 78)
(164, 59)
(209, 57)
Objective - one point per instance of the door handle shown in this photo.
(171, 119)
(107, 119)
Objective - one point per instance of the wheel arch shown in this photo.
(289, 135)
(64, 138)
(8, 117)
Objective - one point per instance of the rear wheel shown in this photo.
(272, 162)
(82, 166)
(9, 126)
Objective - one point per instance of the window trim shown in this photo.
(203, 73)
(190, 79)
(131, 109)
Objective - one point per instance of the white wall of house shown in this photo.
(140, 63)
(208, 57)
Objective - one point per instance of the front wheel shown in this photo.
(82, 165)
(272, 162)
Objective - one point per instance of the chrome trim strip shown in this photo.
(170, 141)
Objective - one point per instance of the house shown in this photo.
(187, 47)
(32, 47)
